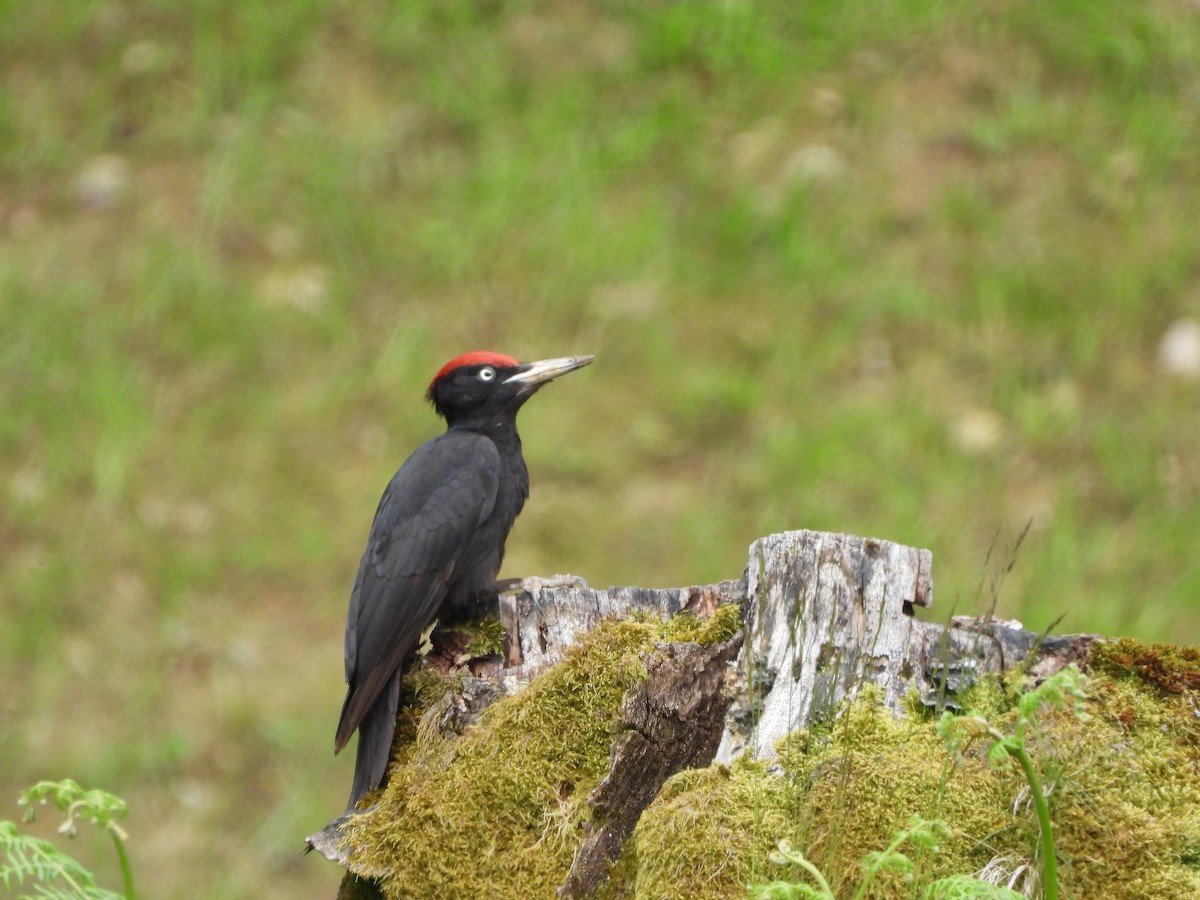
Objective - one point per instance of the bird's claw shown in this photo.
(535, 584)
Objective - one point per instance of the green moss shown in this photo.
(1125, 802)
(498, 812)
(1170, 668)
(989, 696)
(488, 638)
(622, 876)
(708, 832)
(723, 624)
(865, 781)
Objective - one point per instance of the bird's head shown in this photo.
(484, 384)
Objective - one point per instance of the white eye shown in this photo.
(487, 373)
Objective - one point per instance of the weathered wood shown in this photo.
(830, 613)
(543, 625)
(827, 614)
(675, 719)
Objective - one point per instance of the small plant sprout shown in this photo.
(1058, 691)
(924, 834)
(789, 890)
(59, 875)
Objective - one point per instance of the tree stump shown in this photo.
(823, 615)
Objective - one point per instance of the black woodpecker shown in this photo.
(437, 540)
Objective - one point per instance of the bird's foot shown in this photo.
(535, 584)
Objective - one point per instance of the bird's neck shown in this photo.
(501, 429)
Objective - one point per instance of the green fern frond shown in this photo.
(52, 874)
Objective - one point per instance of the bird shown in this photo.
(437, 540)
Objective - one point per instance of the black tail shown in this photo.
(375, 743)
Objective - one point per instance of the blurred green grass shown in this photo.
(898, 270)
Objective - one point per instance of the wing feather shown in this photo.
(426, 520)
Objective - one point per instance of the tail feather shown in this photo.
(375, 743)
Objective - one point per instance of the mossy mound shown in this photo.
(707, 834)
(837, 796)
(1125, 800)
(499, 811)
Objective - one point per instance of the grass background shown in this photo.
(898, 269)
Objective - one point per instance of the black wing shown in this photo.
(425, 521)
